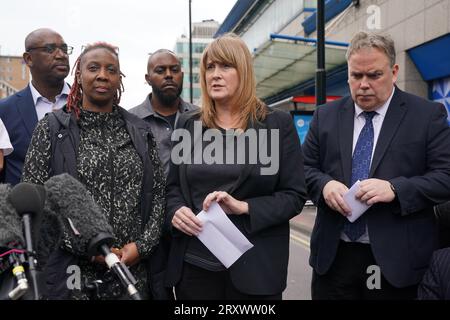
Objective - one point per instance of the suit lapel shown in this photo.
(346, 124)
(27, 110)
(394, 116)
(189, 125)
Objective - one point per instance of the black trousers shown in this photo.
(201, 284)
(349, 278)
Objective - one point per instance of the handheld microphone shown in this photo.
(29, 204)
(100, 246)
(87, 229)
(77, 210)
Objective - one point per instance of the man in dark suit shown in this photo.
(398, 146)
(47, 56)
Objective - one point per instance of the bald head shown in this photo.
(48, 68)
(38, 36)
(157, 53)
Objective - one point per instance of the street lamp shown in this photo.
(190, 55)
(321, 95)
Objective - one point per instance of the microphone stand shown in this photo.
(19, 273)
(30, 254)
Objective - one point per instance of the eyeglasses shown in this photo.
(51, 47)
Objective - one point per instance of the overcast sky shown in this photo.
(137, 27)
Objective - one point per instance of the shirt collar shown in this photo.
(380, 111)
(149, 111)
(36, 95)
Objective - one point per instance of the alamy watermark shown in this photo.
(74, 279)
(373, 22)
(212, 146)
(374, 280)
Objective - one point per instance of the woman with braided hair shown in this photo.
(111, 152)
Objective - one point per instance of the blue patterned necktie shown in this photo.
(360, 171)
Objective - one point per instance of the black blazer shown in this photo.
(273, 200)
(18, 113)
(413, 153)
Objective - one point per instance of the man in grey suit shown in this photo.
(162, 107)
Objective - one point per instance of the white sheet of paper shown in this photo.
(221, 236)
(357, 207)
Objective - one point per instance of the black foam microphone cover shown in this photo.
(10, 225)
(82, 217)
(28, 198)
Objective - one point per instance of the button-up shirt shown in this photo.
(161, 127)
(43, 105)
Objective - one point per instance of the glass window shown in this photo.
(185, 64)
(182, 47)
(196, 93)
(195, 62)
(198, 47)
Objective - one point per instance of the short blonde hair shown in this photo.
(230, 49)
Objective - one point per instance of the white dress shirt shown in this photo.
(43, 105)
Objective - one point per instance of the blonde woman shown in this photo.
(252, 167)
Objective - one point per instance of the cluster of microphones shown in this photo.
(33, 220)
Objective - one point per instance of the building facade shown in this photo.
(202, 35)
(14, 75)
(282, 36)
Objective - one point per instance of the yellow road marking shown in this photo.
(302, 241)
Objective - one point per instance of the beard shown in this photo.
(167, 98)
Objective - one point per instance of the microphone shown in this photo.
(10, 227)
(28, 201)
(100, 246)
(11, 238)
(88, 230)
(77, 210)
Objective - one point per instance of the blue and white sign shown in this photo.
(441, 93)
(302, 122)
